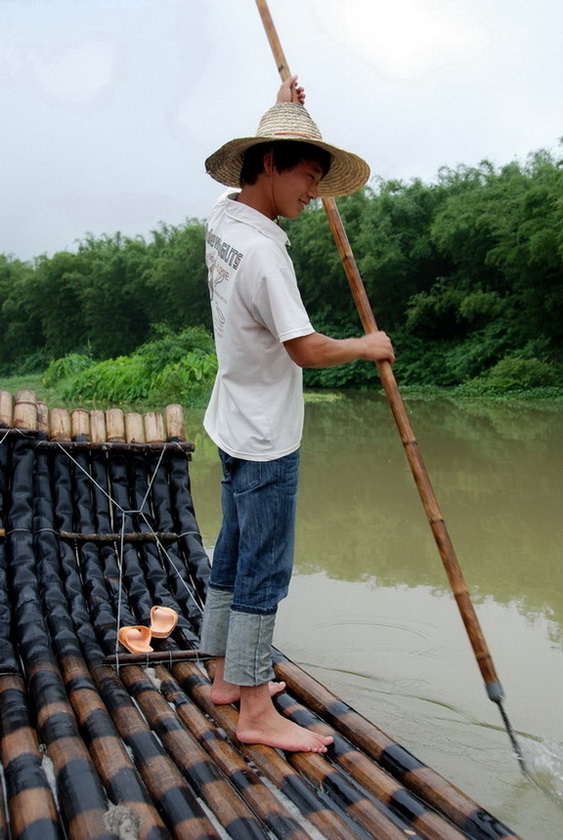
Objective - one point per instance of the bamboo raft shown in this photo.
(97, 525)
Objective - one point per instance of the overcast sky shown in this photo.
(108, 108)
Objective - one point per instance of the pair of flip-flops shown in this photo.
(136, 638)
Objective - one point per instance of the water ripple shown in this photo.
(544, 761)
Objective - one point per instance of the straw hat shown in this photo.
(290, 121)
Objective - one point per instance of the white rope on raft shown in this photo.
(140, 512)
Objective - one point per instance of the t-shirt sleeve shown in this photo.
(276, 299)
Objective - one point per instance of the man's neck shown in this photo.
(259, 198)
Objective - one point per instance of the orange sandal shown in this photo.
(163, 621)
(135, 638)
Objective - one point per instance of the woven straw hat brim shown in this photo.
(290, 121)
(348, 172)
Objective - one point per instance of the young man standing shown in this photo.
(264, 338)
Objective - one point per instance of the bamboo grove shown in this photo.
(465, 274)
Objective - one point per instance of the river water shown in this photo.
(370, 612)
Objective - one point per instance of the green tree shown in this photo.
(115, 312)
(55, 296)
(176, 277)
(21, 332)
(396, 254)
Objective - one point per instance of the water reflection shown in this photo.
(496, 472)
(370, 611)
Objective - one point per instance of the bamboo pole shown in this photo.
(98, 425)
(60, 425)
(154, 427)
(445, 547)
(134, 428)
(6, 409)
(130, 536)
(175, 429)
(80, 424)
(157, 656)
(25, 411)
(28, 793)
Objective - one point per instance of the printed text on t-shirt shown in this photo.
(226, 252)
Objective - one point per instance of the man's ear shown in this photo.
(269, 165)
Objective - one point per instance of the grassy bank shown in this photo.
(54, 396)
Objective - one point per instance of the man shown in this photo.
(264, 338)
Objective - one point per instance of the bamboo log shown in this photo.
(115, 425)
(98, 425)
(3, 815)
(80, 424)
(134, 428)
(95, 427)
(60, 426)
(117, 536)
(25, 411)
(118, 446)
(84, 803)
(108, 752)
(154, 427)
(42, 419)
(175, 429)
(56, 569)
(6, 409)
(30, 799)
(157, 656)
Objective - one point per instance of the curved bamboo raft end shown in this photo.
(97, 528)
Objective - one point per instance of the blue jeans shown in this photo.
(252, 564)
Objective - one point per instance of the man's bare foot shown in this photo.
(224, 692)
(260, 723)
(284, 735)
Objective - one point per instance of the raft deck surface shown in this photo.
(97, 525)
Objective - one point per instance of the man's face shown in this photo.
(294, 188)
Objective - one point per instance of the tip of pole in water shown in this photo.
(511, 734)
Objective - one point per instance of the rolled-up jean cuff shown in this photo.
(249, 649)
(215, 624)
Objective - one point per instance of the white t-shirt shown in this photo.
(256, 407)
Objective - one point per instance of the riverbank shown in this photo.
(53, 395)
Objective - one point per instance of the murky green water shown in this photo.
(370, 612)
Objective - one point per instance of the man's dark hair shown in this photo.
(287, 155)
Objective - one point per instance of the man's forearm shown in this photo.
(321, 351)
